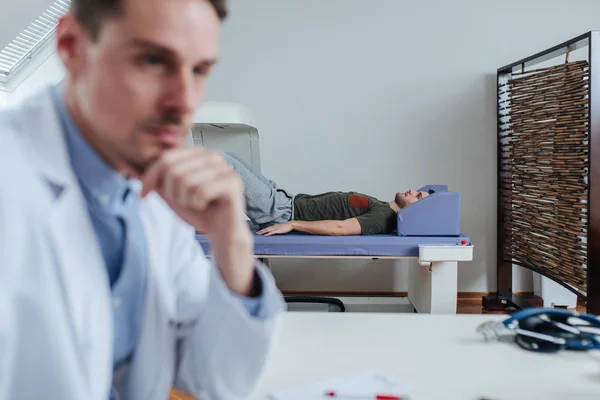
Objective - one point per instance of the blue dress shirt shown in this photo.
(110, 204)
(114, 212)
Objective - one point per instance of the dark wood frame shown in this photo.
(505, 298)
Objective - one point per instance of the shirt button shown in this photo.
(117, 302)
(103, 199)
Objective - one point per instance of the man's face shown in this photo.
(409, 197)
(136, 87)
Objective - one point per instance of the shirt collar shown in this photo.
(95, 175)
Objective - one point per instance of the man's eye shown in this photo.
(201, 71)
(152, 60)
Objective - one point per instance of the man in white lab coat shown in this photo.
(104, 292)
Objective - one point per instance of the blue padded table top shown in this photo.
(300, 244)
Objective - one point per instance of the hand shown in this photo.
(276, 229)
(205, 192)
(200, 187)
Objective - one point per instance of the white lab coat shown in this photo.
(55, 303)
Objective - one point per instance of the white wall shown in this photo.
(44, 70)
(383, 96)
(378, 97)
(49, 71)
(4, 99)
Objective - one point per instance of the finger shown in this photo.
(274, 229)
(265, 230)
(152, 177)
(225, 186)
(176, 155)
(185, 191)
(169, 162)
(196, 161)
(191, 168)
(175, 164)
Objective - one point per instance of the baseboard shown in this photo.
(334, 293)
(479, 295)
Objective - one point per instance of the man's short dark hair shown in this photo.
(92, 13)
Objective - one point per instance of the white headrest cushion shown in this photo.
(221, 112)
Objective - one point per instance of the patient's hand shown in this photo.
(276, 229)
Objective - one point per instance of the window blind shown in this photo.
(23, 47)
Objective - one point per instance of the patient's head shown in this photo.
(411, 196)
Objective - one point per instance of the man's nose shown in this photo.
(183, 96)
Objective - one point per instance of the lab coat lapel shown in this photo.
(73, 241)
(151, 370)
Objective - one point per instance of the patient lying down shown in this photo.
(331, 213)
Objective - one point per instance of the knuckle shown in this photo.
(199, 192)
(217, 157)
(236, 181)
(199, 152)
(169, 157)
(234, 177)
(178, 176)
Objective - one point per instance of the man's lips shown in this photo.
(171, 136)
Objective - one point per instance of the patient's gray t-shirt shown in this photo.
(374, 216)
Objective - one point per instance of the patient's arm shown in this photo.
(346, 227)
(328, 227)
(349, 226)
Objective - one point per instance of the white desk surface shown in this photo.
(441, 357)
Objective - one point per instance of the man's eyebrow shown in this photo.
(146, 44)
(150, 46)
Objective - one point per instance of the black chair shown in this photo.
(330, 301)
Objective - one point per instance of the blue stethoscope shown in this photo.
(547, 330)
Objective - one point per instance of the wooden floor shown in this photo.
(473, 306)
(177, 395)
(464, 306)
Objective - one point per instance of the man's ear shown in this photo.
(70, 38)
